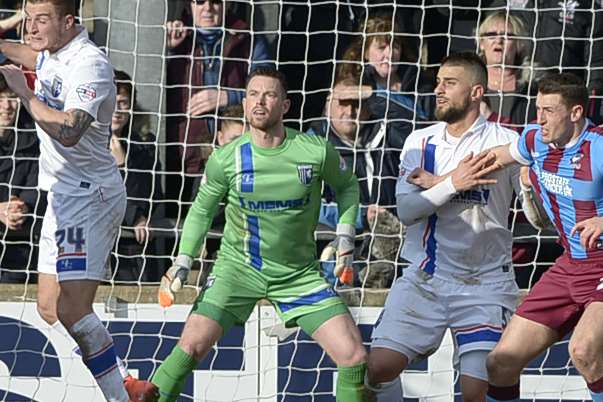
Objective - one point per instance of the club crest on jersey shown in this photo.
(86, 92)
(57, 86)
(304, 172)
(576, 160)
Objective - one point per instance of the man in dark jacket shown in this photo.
(20, 201)
(372, 148)
(207, 68)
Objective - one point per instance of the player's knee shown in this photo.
(586, 360)
(196, 348)
(383, 366)
(48, 312)
(351, 356)
(500, 365)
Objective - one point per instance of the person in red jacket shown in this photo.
(210, 57)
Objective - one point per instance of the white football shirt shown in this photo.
(78, 76)
(468, 237)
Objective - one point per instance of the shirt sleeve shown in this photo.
(410, 159)
(341, 179)
(519, 148)
(90, 83)
(204, 208)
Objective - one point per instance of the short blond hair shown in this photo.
(63, 7)
(517, 29)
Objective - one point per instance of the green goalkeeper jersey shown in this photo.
(273, 198)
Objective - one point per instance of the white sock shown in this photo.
(99, 356)
(57, 326)
(386, 391)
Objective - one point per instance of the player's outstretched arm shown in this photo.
(196, 225)
(19, 53)
(472, 171)
(502, 156)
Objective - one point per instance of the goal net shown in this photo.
(165, 142)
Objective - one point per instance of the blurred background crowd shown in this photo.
(360, 74)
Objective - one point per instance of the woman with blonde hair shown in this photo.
(507, 57)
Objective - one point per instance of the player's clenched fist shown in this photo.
(174, 279)
(15, 79)
(343, 248)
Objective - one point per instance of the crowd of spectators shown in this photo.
(376, 88)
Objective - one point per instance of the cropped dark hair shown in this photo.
(472, 63)
(123, 82)
(571, 88)
(269, 72)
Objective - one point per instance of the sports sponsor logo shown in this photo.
(479, 197)
(273, 205)
(304, 172)
(556, 184)
(86, 92)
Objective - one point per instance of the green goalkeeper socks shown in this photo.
(172, 373)
(350, 383)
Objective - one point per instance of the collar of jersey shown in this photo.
(289, 135)
(65, 53)
(476, 128)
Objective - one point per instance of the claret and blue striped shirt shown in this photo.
(569, 181)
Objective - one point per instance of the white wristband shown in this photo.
(345, 229)
(184, 261)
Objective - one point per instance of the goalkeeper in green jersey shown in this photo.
(272, 179)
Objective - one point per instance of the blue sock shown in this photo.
(490, 399)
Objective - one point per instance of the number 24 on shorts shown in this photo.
(74, 236)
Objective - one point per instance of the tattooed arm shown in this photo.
(65, 127)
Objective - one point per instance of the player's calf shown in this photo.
(98, 354)
(383, 375)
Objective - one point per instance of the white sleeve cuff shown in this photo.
(441, 193)
(515, 154)
(184, 260)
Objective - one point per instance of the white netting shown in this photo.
(307, 40)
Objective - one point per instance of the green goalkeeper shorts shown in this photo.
(302, 297)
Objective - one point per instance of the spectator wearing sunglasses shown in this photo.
(567, 36)
(211, 53)
(506, 52)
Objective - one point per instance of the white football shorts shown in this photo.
(418, 311)
(78, 233)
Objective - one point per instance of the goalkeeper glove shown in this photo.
(173, 280)
(343, 247)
